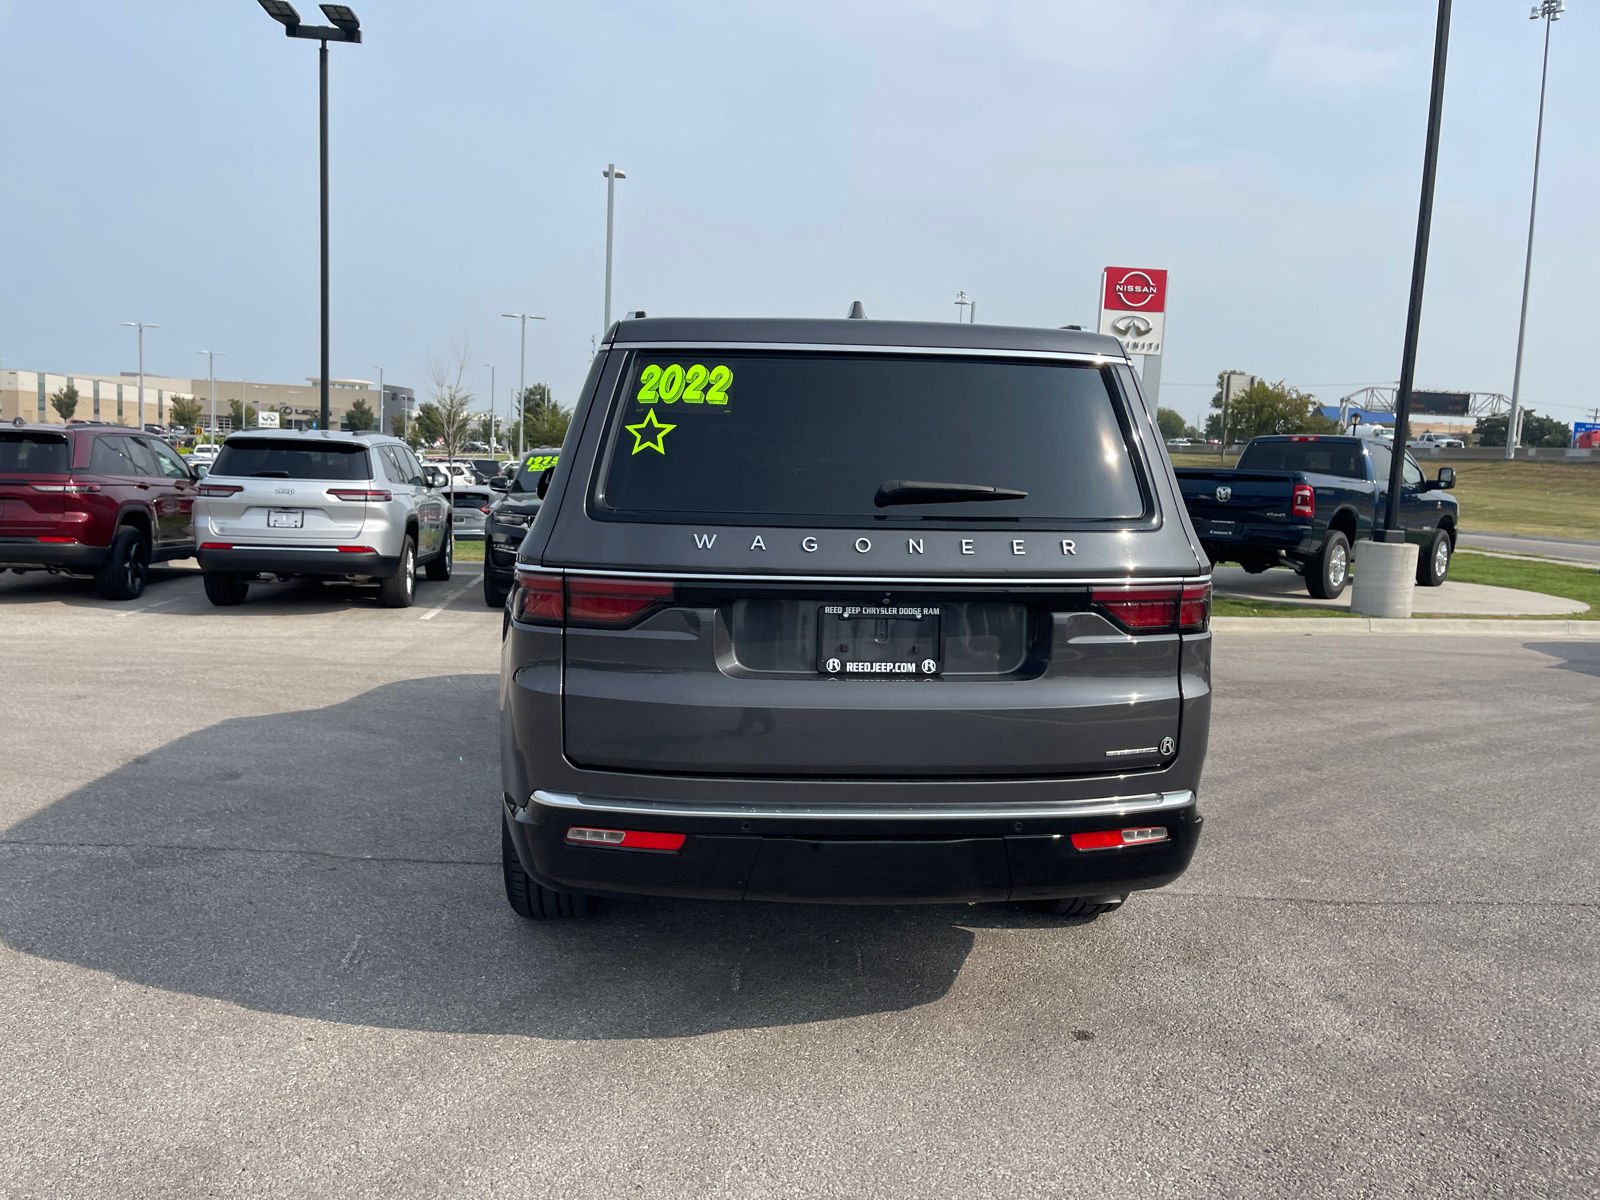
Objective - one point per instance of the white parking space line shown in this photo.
(460, 591)
(133, 612)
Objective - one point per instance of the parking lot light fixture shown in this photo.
(1550, 12)
(612, 175)
(522, 373)
(345, 28)
(141, 326)
(211, 370)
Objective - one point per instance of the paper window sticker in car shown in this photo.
(648, 434)
(694, 384)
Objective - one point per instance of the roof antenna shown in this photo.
(857, 313)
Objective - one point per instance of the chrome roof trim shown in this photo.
(847, 348)
(895, 580)
(1110, 806)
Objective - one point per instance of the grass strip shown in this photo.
(1553, 579)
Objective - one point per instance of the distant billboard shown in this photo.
(1133, 304)
(1442, 404)
(1586, 435)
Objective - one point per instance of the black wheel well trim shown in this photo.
(137, 515)
(1345, 521)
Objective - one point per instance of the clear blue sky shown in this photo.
(785, 158)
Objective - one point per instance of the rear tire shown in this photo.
(224, 588)
(444, 562)
(400, 589)
(1433, 564)
(1329, 572)
(126, 568)
(494, 596)
(532, 900)
(1073, 906)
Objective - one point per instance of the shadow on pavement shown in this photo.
(341, 864)
(1582, 657)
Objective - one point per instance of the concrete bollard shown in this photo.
(1385, 579)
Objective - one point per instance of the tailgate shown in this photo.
(34, 469)
(1231, 496)
(281, 512)
(826, 680)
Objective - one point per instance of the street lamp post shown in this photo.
(345, 28)
(1550, 11)
(961, 304)
(141, 326)
(381, 429)
(522, 369)
(211, 370)
(491, 408)
(612, 175)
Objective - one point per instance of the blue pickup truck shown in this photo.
(1304, 500)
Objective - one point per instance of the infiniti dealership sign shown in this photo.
(1133, 305)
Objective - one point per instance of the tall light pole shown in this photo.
(345, 28)
(141, 326)
(381, 429)
(491, 408)
(1550, 11)
(522, 369)
(612, 175)
(961, 304)
(211, 370)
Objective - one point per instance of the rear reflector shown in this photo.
(56, 541)
(1115, 839)
(613, 601)
(625, 839)
(220, 490)
(216, 545)
(356, 550)
(538, 598)
(357, 494)
(1304, 503)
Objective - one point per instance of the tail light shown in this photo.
(1162, 609)
(220, 491)
(1304, 503)
(1194, 610)
(356, 494)
(69, 487)
(613, 601)
(538, 598)
(486, 509)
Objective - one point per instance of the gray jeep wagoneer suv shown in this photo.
(856, 612)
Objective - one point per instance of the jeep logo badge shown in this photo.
(1224, 494)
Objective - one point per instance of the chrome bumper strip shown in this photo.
(1110, 806)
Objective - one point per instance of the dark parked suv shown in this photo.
(856, 612)
(97, 500)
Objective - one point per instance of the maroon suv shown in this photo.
(98, 500)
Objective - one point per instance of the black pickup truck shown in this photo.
(1303, 500)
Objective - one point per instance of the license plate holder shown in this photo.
(286, 518)
(1221, 528)
(879, 641)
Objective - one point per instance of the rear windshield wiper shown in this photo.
(913, 491)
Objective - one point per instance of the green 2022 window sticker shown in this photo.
(696, 384)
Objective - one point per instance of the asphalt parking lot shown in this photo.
(252, 942)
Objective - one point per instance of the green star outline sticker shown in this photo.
(652, 441)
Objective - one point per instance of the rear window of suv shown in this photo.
(280, 458)
(1318, 458)
(755, 436)
(35, 453)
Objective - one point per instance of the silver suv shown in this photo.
(325, 505)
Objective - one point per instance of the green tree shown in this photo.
(1173, 425)
(426, 428)
(65, 401)
(544, 422)
(185, 411)
(243, 415)
(1268, 408)
(1536, 430)
(360, 416)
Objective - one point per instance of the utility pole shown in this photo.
(612, 175)
(381, 427)
(211, 370)
(491, 408)
(1550, 11)
(141, 326)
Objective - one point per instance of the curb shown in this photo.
(1351, 626)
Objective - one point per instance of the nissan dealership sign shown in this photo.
(1133, 306)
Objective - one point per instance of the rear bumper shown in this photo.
(31, 552)
(301, 560)
(857, 854)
